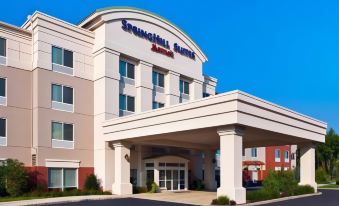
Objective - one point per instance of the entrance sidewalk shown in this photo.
(58, 200)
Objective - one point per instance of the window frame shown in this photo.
(255, 151)
(5, 48)
(126, 103)
(6, 131)
(288, 156)
(182, 83)
(4, 98)
(277, 159)
(62, 97)
(158, 74)
(63, 57)
(157, 105)
(126, 68)
(63, 178)
(62, 133)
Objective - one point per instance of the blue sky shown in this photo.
(283, 51)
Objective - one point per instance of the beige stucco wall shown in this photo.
(18, 114)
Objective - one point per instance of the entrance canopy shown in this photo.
(194, 124)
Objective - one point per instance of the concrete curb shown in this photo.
(282, 199)
(60, 200)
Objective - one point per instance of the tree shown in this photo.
(328, 153)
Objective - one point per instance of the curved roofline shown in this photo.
(81, 23)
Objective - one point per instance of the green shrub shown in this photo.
(337, 181)
(154, 188)
(280, 182)
(303, 189)
(260, 195)
(321, 176)
(92, 183)
(198, 185)
(137, 190)
(13, 178)
(221, 200)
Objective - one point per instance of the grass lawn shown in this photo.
(330, 186)
(8, 199)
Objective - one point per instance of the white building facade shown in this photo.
(124, 93)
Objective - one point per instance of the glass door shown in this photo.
(175, 180)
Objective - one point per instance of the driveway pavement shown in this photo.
(122, 202)
(328, 198)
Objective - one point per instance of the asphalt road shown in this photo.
(328, 198)
(122, 202)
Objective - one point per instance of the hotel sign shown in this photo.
(159, 44)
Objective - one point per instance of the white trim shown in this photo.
(3, 60)
(58, 68)
(59, 163)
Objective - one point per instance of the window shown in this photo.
(62, 135)
(3, 99)
(158, 79)
(184, 87)
(2, 47)
(62, 178)
(62, 97)
(286, 168)
(254, 152)
(2, 87)
(277, 168)
(3, 132)
(204, 95)
(126, 103)
(287, 156)
(157, 105)
(126, 69)
(62, 57)
(134, 177)
(277, 155)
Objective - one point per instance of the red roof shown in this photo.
(253, 162)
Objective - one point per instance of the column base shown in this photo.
(314, 185)
(122, 189)
(236, 194)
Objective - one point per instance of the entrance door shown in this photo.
(254, 176)
(172, 179)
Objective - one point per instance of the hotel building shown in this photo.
(123, 95)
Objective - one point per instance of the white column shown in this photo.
(209, 170)
(156, 172)
(172, 88)
(141, 167)
(122, 185)
(307, 165)
(106, 106)
(231, 164)
(144, 87)
(196, 89)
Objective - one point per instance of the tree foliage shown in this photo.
(328, 153)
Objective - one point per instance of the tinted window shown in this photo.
(155, 78)
(161, 82)
(68, 95)
(186, 88)
(68, 132)
(122, 68)
(161, 105)
(57, 130)
(56, 93)
(2, 127)
(68, 58)
(130, 70)
(130, 103)
(57, 55)
(122, 102)
(2, 47)
(181, 84)
(2, 87)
